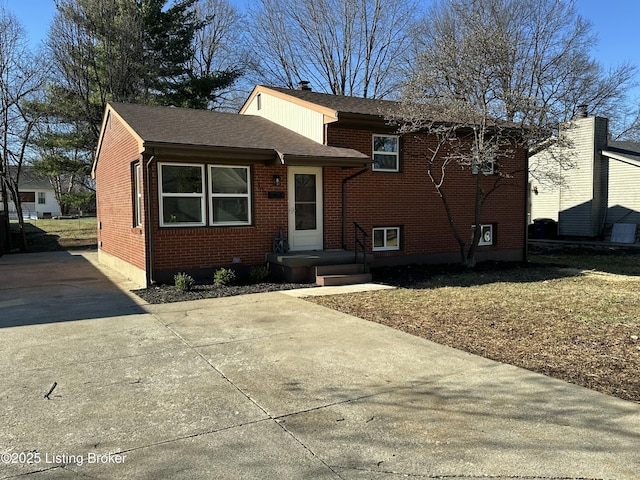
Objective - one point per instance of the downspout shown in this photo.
(344, 204)
(149, 229)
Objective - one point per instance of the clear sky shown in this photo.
(614, 21)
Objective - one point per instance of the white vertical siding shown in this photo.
(624, 194)
(579, 204)
(290, 115)
(577, 201)
(545, 201)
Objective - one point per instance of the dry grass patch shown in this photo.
(45, 235)
(582, 327)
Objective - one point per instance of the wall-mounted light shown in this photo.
(277, 180)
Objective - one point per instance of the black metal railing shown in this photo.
(360, 242)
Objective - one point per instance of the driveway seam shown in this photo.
(254, 402)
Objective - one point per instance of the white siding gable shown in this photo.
(288, 114)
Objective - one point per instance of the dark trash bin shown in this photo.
(544, 229)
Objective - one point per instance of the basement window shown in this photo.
(386, 238)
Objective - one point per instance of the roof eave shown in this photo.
(233, 154)
(629, 159)
(163, 150)
(316, 161)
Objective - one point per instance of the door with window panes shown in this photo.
(305, 208)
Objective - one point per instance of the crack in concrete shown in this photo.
(254, 402)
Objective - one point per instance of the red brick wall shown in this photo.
(114, 197)
(199, 250)
(374, 199)
(409, 200)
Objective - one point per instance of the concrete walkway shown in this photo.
(270, 386)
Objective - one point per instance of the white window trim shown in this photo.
(137, 184)
(385, 247)
(162, 195)
(396, 154)
(229, 195)
(42, 198)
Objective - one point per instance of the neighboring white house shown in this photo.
(599, 198)
(37, 196)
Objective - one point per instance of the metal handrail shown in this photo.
(362, 243)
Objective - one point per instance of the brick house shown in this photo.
(186, 190)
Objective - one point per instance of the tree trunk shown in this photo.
(15, 194)
(5, 228)
(477, 219)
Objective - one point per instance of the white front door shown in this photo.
(305, 208)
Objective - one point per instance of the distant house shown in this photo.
(599, 198)
(37, 196)
(297, 179)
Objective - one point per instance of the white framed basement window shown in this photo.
(182, 197)
(386, 157)
(386, 238)
(486, 234)
(230, 195)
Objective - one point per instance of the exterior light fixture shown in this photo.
(277, 180)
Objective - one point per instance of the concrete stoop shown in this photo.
(344, 274)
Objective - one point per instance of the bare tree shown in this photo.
(345, 47)
(630, 129)
(220, 45)
(495, 76)
(21, 81)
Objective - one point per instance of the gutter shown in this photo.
(344, 204)
(149, 229)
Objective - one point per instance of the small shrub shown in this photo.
(258, 273)
(223, 276)
(184, 282)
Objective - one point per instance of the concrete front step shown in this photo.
(348, 279)
(345, 274)
(339, 269)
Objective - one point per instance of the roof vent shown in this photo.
(304, 85)
(583, 111)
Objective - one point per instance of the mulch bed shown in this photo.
(169, 293)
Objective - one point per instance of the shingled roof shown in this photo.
(342, 103)
(256, 137)
(628, 152)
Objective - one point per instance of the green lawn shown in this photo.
(49, 235)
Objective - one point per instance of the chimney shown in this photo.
(583, 111)
(304, 85)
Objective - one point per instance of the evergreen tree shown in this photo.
(137, 51)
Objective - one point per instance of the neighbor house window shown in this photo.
(230, 195)
(137, 195)
(29, 197)
(182, 197)
(42, 198)
(385, 153)
(386, 238)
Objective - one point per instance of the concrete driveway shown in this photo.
(269, 386)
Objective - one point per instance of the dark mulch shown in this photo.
(169, 293)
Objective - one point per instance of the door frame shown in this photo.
(305, 239)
